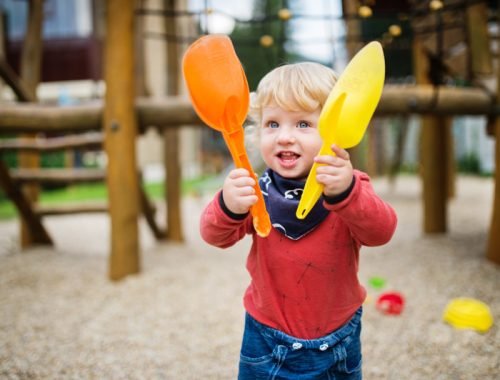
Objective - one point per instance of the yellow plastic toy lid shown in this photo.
(468, 313)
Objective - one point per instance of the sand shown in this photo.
(182, 316)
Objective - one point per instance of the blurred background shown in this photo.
(265, 34)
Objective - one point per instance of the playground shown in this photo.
(181, 318)
(127, 289)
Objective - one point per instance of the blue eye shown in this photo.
(273, 124)
(303, 124)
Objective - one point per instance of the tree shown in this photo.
(256, 58)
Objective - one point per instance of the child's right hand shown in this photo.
(238, 192)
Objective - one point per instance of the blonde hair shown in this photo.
(303, 86)
(300, 86)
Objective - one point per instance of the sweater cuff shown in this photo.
(228, 212)
(340, 197)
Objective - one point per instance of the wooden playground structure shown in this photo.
(122, 116)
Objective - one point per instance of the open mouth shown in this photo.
(288, 158)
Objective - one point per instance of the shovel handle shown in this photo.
(235, 143)
(312, 189)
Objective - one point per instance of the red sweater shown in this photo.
(308, 287)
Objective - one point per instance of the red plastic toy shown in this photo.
(390, 303)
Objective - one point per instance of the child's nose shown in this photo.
(286, 135)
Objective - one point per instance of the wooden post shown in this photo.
(171, 136)
(7, 73)
(372, 151)
(38, 232)
(173, 185)
(16, 84)
(120, 128)
(353, 26)
(479, 43)
(140, 69)
(31, 62)
(3, 29)
(31, 59)
(451, 171)
(493, 247)
(433, 155)
(433, 158)
(397, 159)
(353, 44)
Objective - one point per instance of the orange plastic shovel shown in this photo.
(219, 92)
(347, 112)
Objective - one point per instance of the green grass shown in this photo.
(96, 192)
(70, 194)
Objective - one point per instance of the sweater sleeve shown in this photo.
(221, 230)
(371, 220)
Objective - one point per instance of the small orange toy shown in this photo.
(220, 96)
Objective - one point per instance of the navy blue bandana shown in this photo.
(282, 197)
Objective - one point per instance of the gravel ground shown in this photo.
(182, 317)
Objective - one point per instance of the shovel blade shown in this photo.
(213, 75)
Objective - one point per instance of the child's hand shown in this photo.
(238, 192)
(336, 173)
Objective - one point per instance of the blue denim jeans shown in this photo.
(270, 354)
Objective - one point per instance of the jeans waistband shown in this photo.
(321, 343)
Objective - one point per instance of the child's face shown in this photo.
(289, 141)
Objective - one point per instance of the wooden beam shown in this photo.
(29, 117)
(81, 142)
(427, 99)
(159, 113)
(172, 112)
(14, 82)
(149, 210)
(64, 176)
(120, 127)
(39, 234)
(70, 209)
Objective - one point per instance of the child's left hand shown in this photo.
(336, 173)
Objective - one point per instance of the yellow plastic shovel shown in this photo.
(347, 112)
(219, 93)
